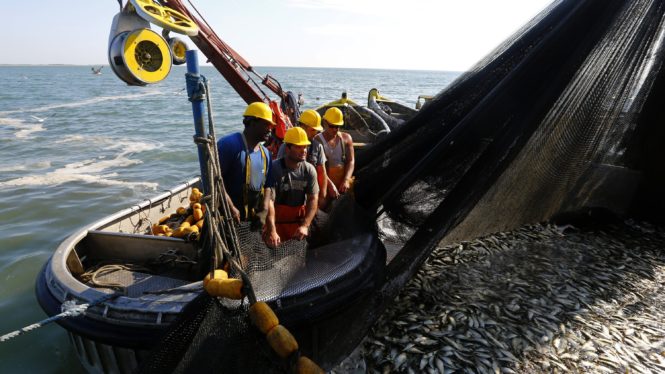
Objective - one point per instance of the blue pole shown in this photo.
(196, 93)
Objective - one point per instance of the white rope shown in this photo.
(69, 309)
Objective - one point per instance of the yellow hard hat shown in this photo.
(334, 117)
(311, 118)
(296, 136)
(259, 110)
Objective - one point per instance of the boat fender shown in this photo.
(263, 317)
(164, 219)
(307, 366)
(230, 288)
(199, 224)
(281, 341)
(181, 211)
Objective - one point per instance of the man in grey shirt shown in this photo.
(310, 121)
(294, 194)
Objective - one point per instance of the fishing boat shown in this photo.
(135, 282)
(363, 124)
(392, 112)
(145, 282)
(368, 124)
(391, 107)
(462, 167)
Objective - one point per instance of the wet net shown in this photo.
(564, 118)
(553, 122)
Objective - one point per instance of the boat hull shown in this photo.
(118, 335)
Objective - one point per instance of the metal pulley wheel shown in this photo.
(140, 57)
(165, 17)
(178, 50)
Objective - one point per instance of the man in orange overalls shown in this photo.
(310, 121)
(338, 148)
(295, 192)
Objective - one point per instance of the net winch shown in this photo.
(139, 55)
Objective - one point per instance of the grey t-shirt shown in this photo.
(292, 186)
(315, 154)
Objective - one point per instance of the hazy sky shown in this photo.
(394, 34)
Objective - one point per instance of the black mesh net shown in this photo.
(564, 117)
(552, 122)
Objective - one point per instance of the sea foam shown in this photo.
(98, 170)
(22, 128)
(75, 104)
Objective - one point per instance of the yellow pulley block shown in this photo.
(140, 57)
(178, 50)
(165, 17)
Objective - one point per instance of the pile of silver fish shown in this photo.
(539, 299)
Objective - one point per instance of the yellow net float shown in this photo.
(140, 57)
(165, 17)
(220, 285)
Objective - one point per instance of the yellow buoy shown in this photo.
(198, 214)
(217, 274)
(281, 341)
(229, 288)
(263, 317)
(307, 366)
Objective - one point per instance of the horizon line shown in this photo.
(256, 66)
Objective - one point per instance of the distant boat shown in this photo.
(96, 71)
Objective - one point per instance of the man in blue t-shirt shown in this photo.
(245, 185)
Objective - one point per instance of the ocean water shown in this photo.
(75, 147)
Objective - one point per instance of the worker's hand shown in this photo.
(345, 186)
(301, 233)
(235, 213)
(271, 238)
(332, 191)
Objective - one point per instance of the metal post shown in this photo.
(196, 93)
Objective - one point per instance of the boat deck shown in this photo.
(136, 283)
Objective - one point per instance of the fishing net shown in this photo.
(304, 281)
(562, 118)
(341, 263)
(552, 122)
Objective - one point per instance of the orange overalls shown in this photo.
(288, 218)
(336, 168)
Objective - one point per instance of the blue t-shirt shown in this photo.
(232, 157)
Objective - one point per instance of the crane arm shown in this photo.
(233, 67)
